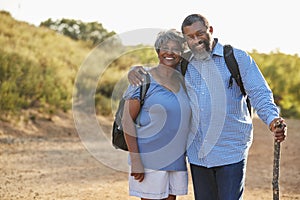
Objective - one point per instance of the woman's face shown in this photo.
(170, 54)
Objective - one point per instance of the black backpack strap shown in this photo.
(185, 61)
(144, 88)
(233, 67)
(235, 72)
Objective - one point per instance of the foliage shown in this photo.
(282, 74)
(39, 68)
(92, 32)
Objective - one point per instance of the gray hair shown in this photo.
(171, 34)
(189, 20)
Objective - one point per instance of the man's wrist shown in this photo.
(275, 122)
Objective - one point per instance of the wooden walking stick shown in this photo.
(276, 164)
(275, 182)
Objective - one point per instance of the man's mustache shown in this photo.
(200, 42)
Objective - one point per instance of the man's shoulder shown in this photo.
(219, 49)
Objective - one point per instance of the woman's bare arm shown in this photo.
(131, 111)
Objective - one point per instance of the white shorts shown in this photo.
(159, 184)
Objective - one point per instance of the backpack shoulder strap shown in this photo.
(144, 88)
(185, 61)
(233, 67)
(235, 72)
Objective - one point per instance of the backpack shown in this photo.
(118, 139)
(232, 66)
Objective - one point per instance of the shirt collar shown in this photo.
(218, 49)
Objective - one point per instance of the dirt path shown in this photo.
(47, 160)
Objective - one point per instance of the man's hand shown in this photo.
(135, 75)
(279, 129)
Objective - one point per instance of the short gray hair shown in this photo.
(171, 34)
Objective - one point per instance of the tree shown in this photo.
(92, 32)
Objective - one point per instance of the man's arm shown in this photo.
(261, 96)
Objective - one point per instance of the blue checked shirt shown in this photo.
(222, 129)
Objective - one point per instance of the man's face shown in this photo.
(198, 37)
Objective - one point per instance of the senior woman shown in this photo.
(157, 144)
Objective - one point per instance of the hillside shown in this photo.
(37, 66)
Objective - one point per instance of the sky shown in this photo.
(263, 25)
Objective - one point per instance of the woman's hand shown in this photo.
(137, 170)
